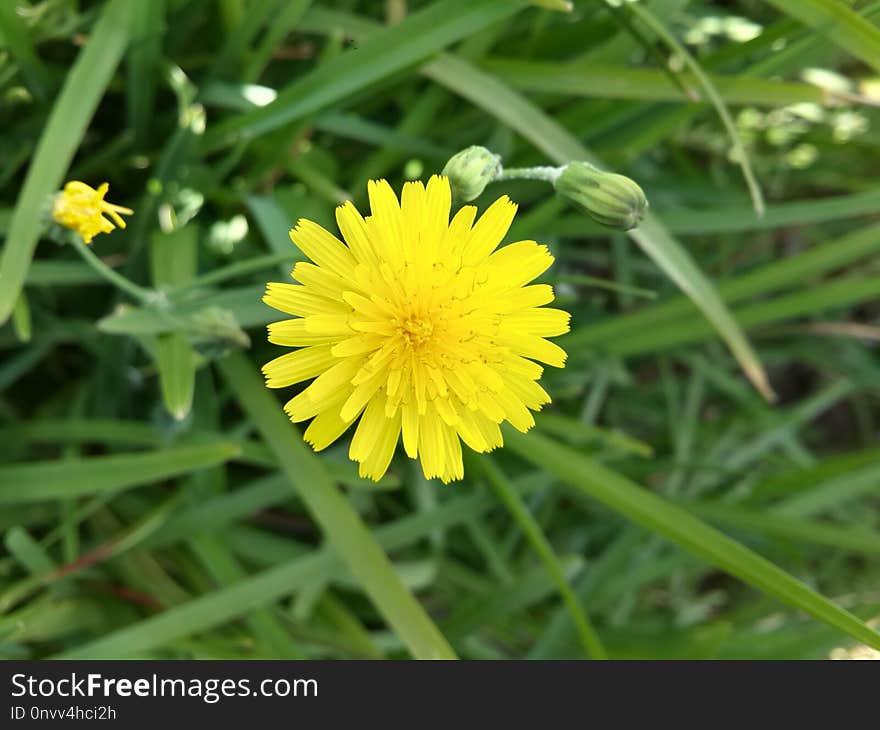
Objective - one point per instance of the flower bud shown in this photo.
(608, 198)
(470, 171)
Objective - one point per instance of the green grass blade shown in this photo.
(839, 537)
(735, 219)
(814, 262)
(644, 84)
(175, 360)
(711, 92)
(674, 523)
(16, 37)
(341, 524)
(20, 483)
(217, 607)
(529, 525)
(83, 89)
(832, 295)
(143, 65)
(418, 37)
(223, 567)
(21, 318)
(680, 267)
(284, 22)
(62, 273)
(173, 257)
(839, 23)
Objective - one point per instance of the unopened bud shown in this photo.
(608, 198)
(470, 171)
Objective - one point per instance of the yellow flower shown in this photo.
(81, 208)
(417, 325)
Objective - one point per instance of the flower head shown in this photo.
(81, 208)
(610, 199)
(419, 326)
(470, 171)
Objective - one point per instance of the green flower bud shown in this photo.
(608, 198)
(470, 171)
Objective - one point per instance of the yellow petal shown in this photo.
(292, 333)
(302, 407)
(517, 264)
(528, 296)
(377, 461)
(320, 281)
(354, 231)
(528, 391)
(489, 230)
(457, 234)
(410, 427)
(385, 226)
(323, 248)
(359, 397)
(432, 448)
(338, 377)
(533, 347)
(541, 321)
(454, 466)
(368, 430)
(329, 325)
(326, 427)
(515, 410)
(294, 299)
(294, 367)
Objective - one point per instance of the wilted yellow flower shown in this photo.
(81, 208)
(417, 325)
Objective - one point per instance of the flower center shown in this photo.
(416, 331)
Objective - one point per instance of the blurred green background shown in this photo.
(154, 500)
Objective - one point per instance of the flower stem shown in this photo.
(547, 173)
(144, 296)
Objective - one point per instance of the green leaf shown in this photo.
(839, 23)
(244, 303)
(176, 361)
(564, 6)
(16, 37)
(815, 262)
(174, 258)
(83, 89)
(217, 607)
(619, 82)
(532, 529)
(678, 265)
(839, 537)
(37, 481)
(21, 318)
(594, 480)
(418, 37)
(835, 294)
(62, 273)
(142, 65)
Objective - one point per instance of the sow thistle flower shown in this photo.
(81, 208)
(419, 326)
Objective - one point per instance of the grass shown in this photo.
(704, 484)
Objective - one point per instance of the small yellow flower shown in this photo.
(81, 208)
(418, 325)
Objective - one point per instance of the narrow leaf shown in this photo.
(597, 481)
